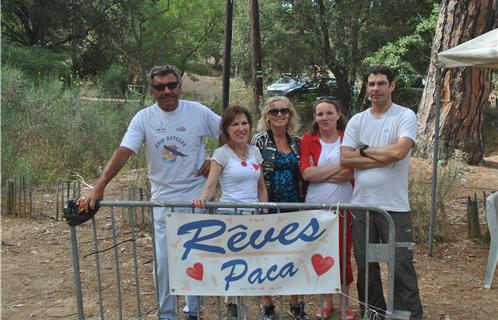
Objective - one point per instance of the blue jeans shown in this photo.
(167, 302)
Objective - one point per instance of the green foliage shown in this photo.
(200, 69)
(284, 40)
(293, 33)
(114, 81)
(172, 32)
(408, 54)
(85, 32)
(323, 37)
(392, 55)
(49, 131)
(35, 61)
(92, 35)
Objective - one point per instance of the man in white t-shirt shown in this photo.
(172, 131)
(377, 144)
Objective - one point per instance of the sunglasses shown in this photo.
(275, 112)
(161, 86)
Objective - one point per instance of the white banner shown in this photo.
(247, 255)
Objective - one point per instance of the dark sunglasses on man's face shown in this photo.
(275, 112)
(161, 86)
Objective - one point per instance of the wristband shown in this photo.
(363, 147)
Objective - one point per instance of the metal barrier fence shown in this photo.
(115, 268)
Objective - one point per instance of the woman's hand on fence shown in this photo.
(199, 203)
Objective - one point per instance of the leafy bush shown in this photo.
(114, 81)
(48, 130)
(201, 69)
(409, 54)
(35, 62)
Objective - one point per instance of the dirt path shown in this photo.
(37, 277)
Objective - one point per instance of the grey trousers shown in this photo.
(406, 293)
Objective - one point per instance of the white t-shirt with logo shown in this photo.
(327, 192)
(174, 147)
(239, 178)
(385, 187)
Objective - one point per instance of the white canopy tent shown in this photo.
(480, 52)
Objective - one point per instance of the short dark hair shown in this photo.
(164, 70)
(377, 69)
(228, 117)
(341, 122)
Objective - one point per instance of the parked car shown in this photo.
(285, 85)
(299, 88)
(314, 88)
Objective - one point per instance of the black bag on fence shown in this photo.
(74, 217)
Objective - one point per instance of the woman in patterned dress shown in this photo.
(279, 147)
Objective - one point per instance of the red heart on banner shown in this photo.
(321, 264)
(196, 272)
(255, 166)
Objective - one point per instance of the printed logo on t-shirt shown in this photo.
(171, 148)
(162, 127)
(181, 129)
(170, 152)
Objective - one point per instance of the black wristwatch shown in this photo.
(362, 148)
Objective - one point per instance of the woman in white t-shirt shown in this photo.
(237, 165)
(329, 182)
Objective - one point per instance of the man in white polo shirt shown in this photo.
(377, 144)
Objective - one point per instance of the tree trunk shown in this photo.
(227, 54)
(340, 72)
(256, 56)
(464, 92)
(343, 88)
